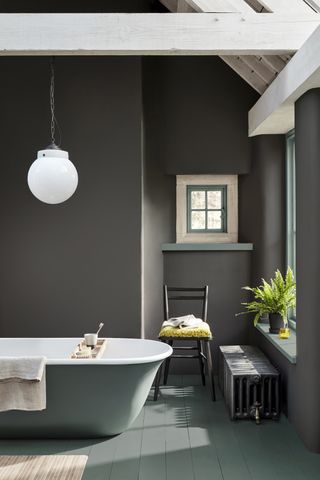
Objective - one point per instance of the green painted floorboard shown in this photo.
(126, 462)
(185, 436)
(153, 447)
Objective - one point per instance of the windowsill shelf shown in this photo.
(190, 247)
(287, 347)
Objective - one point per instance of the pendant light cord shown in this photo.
(54, 122)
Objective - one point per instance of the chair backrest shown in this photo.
(185, 293)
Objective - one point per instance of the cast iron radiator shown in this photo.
(249, 383)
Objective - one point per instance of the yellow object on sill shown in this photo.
(202, 331)
(284, 333)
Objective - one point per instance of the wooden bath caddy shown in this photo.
(96, 352)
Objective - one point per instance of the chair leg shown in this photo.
(157, 384)
(166, 366)
(201, 363)
(210, 371)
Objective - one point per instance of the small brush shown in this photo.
(100, 326)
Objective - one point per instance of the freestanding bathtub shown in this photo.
(85, 398)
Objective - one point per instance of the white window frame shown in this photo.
(231, 235)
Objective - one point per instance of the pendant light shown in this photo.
(52, 178)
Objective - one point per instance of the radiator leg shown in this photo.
(210, 370)
(257, 413)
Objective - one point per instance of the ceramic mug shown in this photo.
(91, 339)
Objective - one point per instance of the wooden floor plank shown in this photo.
(100, 460)
(257, 457)
(178, 449)
(276, 444)
(126, 462)
(220, 430)
(308, 462)
(153, 448)
(205, 459)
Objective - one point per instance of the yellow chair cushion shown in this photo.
(202, 331)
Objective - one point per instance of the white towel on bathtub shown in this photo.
(22, 383)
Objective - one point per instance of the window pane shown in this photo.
(291, 209)
(198, 220)
(198, 199)
(214, 199)
(214, 220)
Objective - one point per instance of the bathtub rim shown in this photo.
(158, 357)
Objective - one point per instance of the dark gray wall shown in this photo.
(262, 193)
(65, 268)
(192, 108)
(204, 108)
(158, 199)
(307, 124)
(81, 6)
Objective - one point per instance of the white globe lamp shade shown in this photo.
(52, 178)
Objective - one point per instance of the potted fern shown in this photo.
(274, 298)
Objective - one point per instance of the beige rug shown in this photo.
(42, 467)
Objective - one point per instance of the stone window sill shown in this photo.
(189, 247)
(287, 347)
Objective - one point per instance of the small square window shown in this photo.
(207, 208)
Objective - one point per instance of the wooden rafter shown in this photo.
(213, 6)
(184, 7)
(171, 5)
(285, 6)
(246, 72)
(274, 62)
(315, 4)
(257, 6)
(259, 70)
(243, 6)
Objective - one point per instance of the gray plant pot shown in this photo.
(276, 322)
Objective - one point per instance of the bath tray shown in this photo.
(96, 352)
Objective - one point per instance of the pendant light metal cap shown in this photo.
(53, 151)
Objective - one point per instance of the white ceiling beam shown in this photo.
(212, 6)
(153, 34)
(286, 6)
(274, 111)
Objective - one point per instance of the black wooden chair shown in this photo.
(200, 336)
